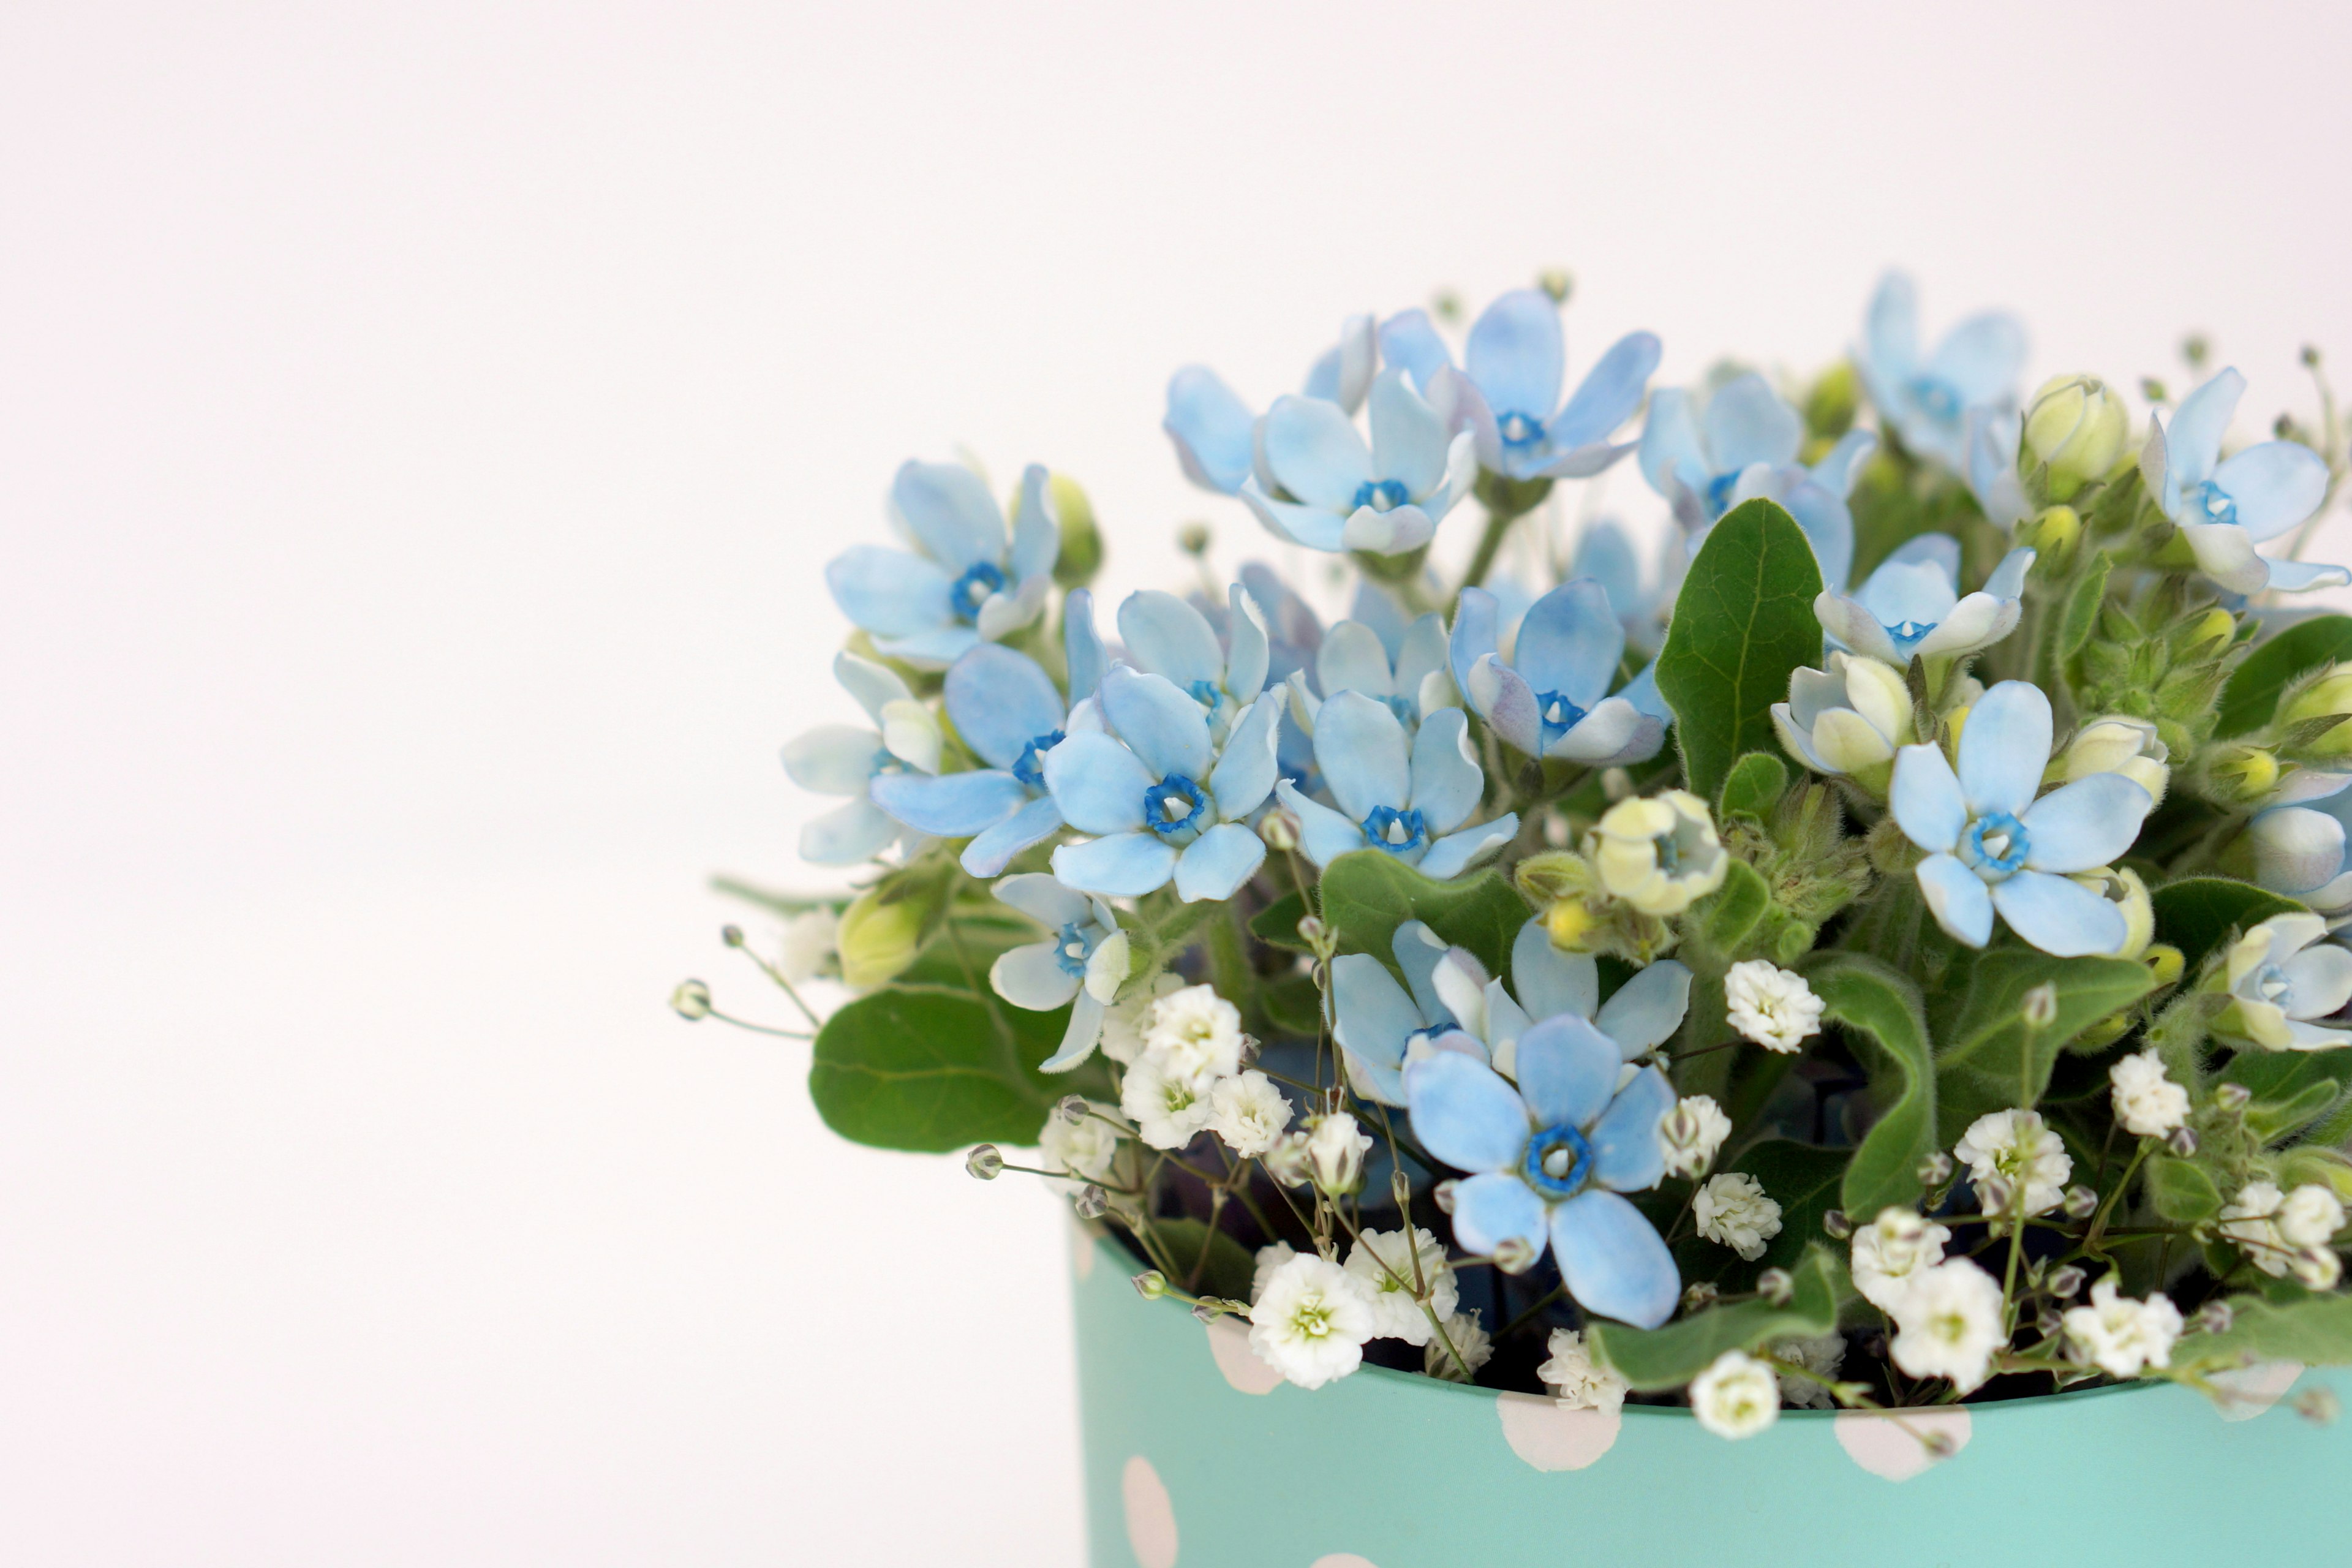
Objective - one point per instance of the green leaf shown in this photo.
(2316, 1330)
(1743, 623)
(1881, 1007)
(1981, 1062)
(2081, 615)
(2251, 698)
(1806, 1182)
(1367, 895)
(1228, 1270)
(1727, 915)
(1755, 785)
(935, 1069)
(2194, 915)
(2182, 1190)
(1276, 925)
(1654, 1359)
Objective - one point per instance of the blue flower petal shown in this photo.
(1421, 653)
(1838, 469)
(1457, 852)
(888, 592)
(1082, 645)
(1043, 899)
(1827, 523)
(2088, 823)
(1409, 441)
(1446, 779)
(1410, 343)
(1000, 702)
(1123, 866)
(2060, 917)
(1098, 784)
(1324, 835)
(1244, 774)
(1503, 698)
(2008, 578)
(834, 759)
(1515, 354)
(1491, 1209)
(1891, 330)
(1352, 660)
(1315, 453)
(2004, 746)
(2294, 576)
(1211, 429)
(1372, 1014)
(1626, 1155)
(1312, 528)
(1920, 592)
(1032, 978)
(1571, 643)
(2274, 486)
(1166, 637)
(1036, 534)
(1957, 898)
(1079, 1040)
(1547, 981)
(1612, 390)
(995, 849)
(1926, 798)
(1747, 422)
(1360, 748)
(1476, 616)
(1216, 864)
(2192, 442)
(1980, 358)
(1604, 554)
(1251, 653)
(1647, 1009)
(935, 648)
(1165, 727)
(1612, 1261)
(949, 511)
(847, 835)
(1642, 696)
(1568, 1070)
(1672, 454)
(1466, 1113)
(953, 805)
(1417, 949)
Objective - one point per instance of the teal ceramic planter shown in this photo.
(1196, 1455)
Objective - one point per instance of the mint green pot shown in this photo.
(1196, 1455)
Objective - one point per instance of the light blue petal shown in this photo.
(1312, 528)
(1568, 1070)
(1315, 453)
(1372, 1014)
(1957, 898)
(873, 685)
(847, 835)
(1670, 442)
(1980, 358)
(1410, 343)
(1164, 727)
(1352, 660)
(1001, 700)
(1926, 797)
(1606, 555)
(1078, 1041)
(1098, 784)
(1457, 852)
(2004, 746)
(1123, 866)
(1376, 608)
(2192, 442)
(1417, 949)
(1642, 692)
(1211, 429)
(1360, 748)
(1891, 330)
(1082, 645)
(993, 850)
(2088, 823)
(1501, 697)
(1323, 833)
(1647, 1009)
(834, 759)
(2294, 576)
(1166, 637)
(1827, 523)
(935, 648)
(888, 592)
(953, 805)
(1612, 1259)
(1842, 465)
(1571, 643)
(1491, 1209)
(1043, 899)
(2008, 578)
(1626, 1157)
(1919, 592)
(1547, 981)
(1244, 774)
(1515, 354)
(1476, 615)
(1420, 654)
(1032, 978)
(1250, 655)
(1612, 390)
(1446, 779)
(2274, 485)
(947, 509)
(1747, 422)
(2060, 917)
(1464, 1113)
(1409, 441)
(1216, 864)
(1036, 534)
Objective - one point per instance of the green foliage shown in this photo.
(2250, 699)
(1367, 895)
(1668, 1357)
(2316, 1330)
(1986, 1056)
(1806, 1182)
(2194, 915)
(1726, 917)
(1743, 622)
(1755, 785)
(2080, 616)
(2291, 1088)
(1276, 925)
(1225, 1272)
(2183, 1191)
(1882, 1008)
(932, 1068)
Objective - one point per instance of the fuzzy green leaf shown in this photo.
(1276, 925)
(1881, 1007)
(934, 1068)
(2316, 1330)
(1727, 915)
(1743, 623)
(1981, 1060)
(2080, 617)
(2251, 698)
(2182, 1190)
(1669, 1357)
(1367, 895)
(2196, 914)
(1755, 785)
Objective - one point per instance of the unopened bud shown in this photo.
(1313, 933)
(2165, 965)
(2319, 1405)
(1071, 1108)
(1150, 1284)
(1515, 1255)
(1616, 784)
(2233, 1096)
(1279, 828)
(1092, 1202)
(733, 935)
(2076, 426)
(1287, 1161)
(2153, 390)
(1400, 1189)
(1443, 1195)
(1935, 1169)
(2316, 1268)
(2082, 1203)
(1940, 1444)
(1995, 1194)
(1569, 924)
(2215, 1317)
(985, 1163)
(1556, 281)
(2245, 774)
(2181, 1142)
(1336, 1148)
(1838, 1225)
(2066, 1281)
(1192, 539)
(2196, 348)
(2211, 631)
(2056, 532)
(1775, 1286)
(1699, 1296)
(691, 1000)
(1206, 1312)
(2040, 1007)
(2327, 698)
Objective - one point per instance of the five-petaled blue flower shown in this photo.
(2227, 505)
(1168, 638)
(1406, 797)
(1992, 845)
(1215, 430)
(844, 760)
(966, 581)
(1007, 711)
(1742, 444)
(1929, 401)
(1165, 797)
(1553, 700)
(1911, 606)
(1336, 492)
(1507, 392)
(1081, 966)
(1356, 657)
(1549, 1156)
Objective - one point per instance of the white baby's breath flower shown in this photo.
(1770, 1005)
(1123, 1026)
(1311, 1322)
(810, 945)
(1575, 1379)
(1168, 1109)
(2016, 1146)
(1336, 1151)
(1823, 1357)
(1733, 1210)
(2120, 1336)
(1948, 1324)
(1381, 1260)
(1691, 1134)
(1196, 1033)
(1270, 1257)
(2250, 1219)
(1892, 1252)
(1084, 1148)
(1469, 1341)
(2310, 1216)
(1735, 1396)
(2147, 1103)
(1248, 1112)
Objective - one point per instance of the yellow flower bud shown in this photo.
(2056, 532)
(2212, 630)
(2247, 773)
(2329, 696)
(1570, 921)
(2077, 427)
(2118, 743)
(2124, 890)
(1660, 854)
(879, 940)
(2165, 962)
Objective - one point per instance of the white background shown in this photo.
(420, 427)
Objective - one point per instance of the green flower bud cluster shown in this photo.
(2164, 658)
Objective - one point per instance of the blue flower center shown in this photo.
(1405, 709)
(971, 590)
(2214, 501)
(1556, 1161)
(1398, 832)
(1559, 716)
(1994, 845)
(1940, 398)
(1175, 805)
(1204, 692)
(1029, 767)
(1520, 431)
(1908, 635)
(1071, 950)
(2271, 984)
(1718, 492)
(1382, 495)
(1669, 853)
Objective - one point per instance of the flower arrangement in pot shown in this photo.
(1878, 959)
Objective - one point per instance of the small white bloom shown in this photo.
(1249, 1113)
(1123, 1026)
(1731, 1209)
(1823, 1357)
(2017, 1147)
(1270, 1257)
(1197, 1033)
(2316, 1268)
(1892, 1252)
(1576, 1380)
(1735, 1396)
(1770, 1005)
(2147, 1103)
(1167, 1107)
(1084, 1148)
(2310, 1216)
(2250, 1219)
(2120, 1336)
(1471, 1343)
(810, 945)
(1691, 1134)
(1948, 1324)
(1381, 1260)
(2119, 743)
(1311, 1322)
(1336, 1151)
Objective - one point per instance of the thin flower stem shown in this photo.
(2099, 1221)
(758, 1029)
(776, 974)
(1555, 1293)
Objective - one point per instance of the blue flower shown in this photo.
(1552, 700)
(1164, 798)
(1990, 437)
(844, 760)
(2227, 505)
(1911, 606)
(1406, 797)
(965, 582)
(1742, 444)
(1081, 966)
(1604, 554)
(1383, 1028)
(1006, 710)
(1508, 393)
(1215, 430)
(2299, 842)
(1396, 671)
(1928, 402)
(1338, 493)
(1992, 845)
(1548, 1156)
(1168, 638)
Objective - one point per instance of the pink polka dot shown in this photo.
(1229, 1342)
(2248, 1391)
(1890, 1444)
(1550, 1437)
(1151, 1517)
(1343, 1559)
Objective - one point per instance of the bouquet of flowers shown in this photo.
(1879, 955)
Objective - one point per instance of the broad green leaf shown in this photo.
(1881, 1009)
(1755, 785)
(1367, 895)
(2271, 1120)
(1743, 623)
(937, 1068)
(2316, 1330)
(1276, 925)
(1727, 915)
(2249, 701)
(2081, 615)
(1806, 1182)
(1669, 1357)
(1227, 1270)
(2182, 1190)
(1981, 1058)
(2194, 915)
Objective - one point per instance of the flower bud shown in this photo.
(1935, 1169)
(1314, 933)
(2055, 532)
(1443, 1195)
(1995, 1194)
(2082, 1203)
(2120, 744)
(691, 1000)
(1837, 1224)
(2207, 635)
(1207, 1311)
(1616, 784)
(2077, 427)
(984, 1163)
(2327, 698)
(2316, 1268)
(1514, 1254)
(2319, 1405)
(1335, 1152)
(2165, 964)
(1568, 923)
(2215, 1317)
(1279, 828)
(2066, 1282)
(2244, 773)
(1092, 1202)
(1286, 1162)
(1072, 1109)
(879, 938)
(733, 935)
(2181, 1142)
(2047, 1322)
(2040, 1009)
(1192, 539)
(2233, 1096)
(1699, 1296)
(1775, 1286)
(1691, 1134)
(1660, 854)
(1150, 1284)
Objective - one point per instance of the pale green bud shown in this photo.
(2118, 743)
(2077, 427)
(879, 940)
(2330, 697)
(691, 1000)
(2055, 532)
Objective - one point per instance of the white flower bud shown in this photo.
(2076, 426)
(984, 1163)
(1150, 1284)
(1092, 1202)
(691, 1000)
(1335, 1152)
(1691, 1134)
(1660, 856)
(2081, 1203)
(2117, 743)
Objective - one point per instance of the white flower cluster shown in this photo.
(2148, 1104)
(1770, 1005)
(1310, 1318)
(1185, 1074)
(1947, 1314)
(2288, 1233)
(2120, 1336)
(1691, 1134)
(1576, 1380)
(2014, 1151)
(1733, 1210)
(1735, 1396)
